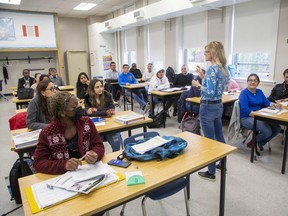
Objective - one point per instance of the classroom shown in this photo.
(44, 36)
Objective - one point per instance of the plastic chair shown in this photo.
(165, 190)
(1, 88)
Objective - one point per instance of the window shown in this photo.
(130, 57)
(194, 57)
(247, 63)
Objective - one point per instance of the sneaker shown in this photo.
(218, 167)
(206, 175)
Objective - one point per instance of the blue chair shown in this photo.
(165, 190)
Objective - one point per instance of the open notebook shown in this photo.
(64, 187)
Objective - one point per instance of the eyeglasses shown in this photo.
(51, 89)
(253, 80)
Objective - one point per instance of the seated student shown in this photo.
(149, 73)
(67, 138)
(280, 92)
(135, 71)
(37, 116)
(181, 80)
(127, 78)
(82, 85)
(44, 77)
(159, 82)
(112, 76)
(253, 99)
(36, 81)
(53, 75)
(183, 105)
(26, 81)
(99, 102)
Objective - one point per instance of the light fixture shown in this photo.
(84, 6)
(15, 2)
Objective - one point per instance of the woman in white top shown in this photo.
(36, 81)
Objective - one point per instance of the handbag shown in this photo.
(190, 123)
(158, 120)
(25, 93)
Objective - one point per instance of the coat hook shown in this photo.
(29, 59)
(7, 60)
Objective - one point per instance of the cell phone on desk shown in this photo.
(119, 163)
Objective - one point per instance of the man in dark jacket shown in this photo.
(26, 81)
(280, 92)
(135, 71)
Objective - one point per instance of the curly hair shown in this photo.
(57, 104)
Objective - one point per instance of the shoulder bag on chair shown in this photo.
(25, 93)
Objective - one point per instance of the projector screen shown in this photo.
(27, 30)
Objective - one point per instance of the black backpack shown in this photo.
(170, 74)
(158, 120)
(15, 174)
(190, 123)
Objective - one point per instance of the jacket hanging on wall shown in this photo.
(5, 74)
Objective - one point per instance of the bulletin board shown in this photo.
(27, 30)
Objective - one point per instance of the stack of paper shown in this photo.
(174, 89)
(26, 139)
(284, 103)
(83, 180)
(129, 118)
(149, 145)
(270, 110)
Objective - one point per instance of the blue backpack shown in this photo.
(170, 149)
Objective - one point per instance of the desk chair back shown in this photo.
(18, 121)
(165, 190)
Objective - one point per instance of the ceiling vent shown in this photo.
(108, 25)
(138, 14)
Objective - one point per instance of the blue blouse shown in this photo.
(214, 83)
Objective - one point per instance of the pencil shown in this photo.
(82, 158)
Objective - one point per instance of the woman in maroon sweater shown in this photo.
(69, 137)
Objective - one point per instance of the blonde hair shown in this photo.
(218, 55)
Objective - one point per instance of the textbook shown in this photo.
(149, 145)
(61, 188)
(129, 118)
(98, 121)
(26, 139)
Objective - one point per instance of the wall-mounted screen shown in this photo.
(27, 30)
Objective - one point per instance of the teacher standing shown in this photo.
(211, 107)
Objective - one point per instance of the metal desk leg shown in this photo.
(164, 116)
(188, 186)
(253, 140)
(124, 96)
(152, 106)
(285, 152)
(222, 187)
(145, 129)
(131, 99)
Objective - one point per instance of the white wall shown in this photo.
(73, 36)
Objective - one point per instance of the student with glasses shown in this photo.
(37, 116)
(280, 92)
(99, 103)
(211, 107)
(253, 99)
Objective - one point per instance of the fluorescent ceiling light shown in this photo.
(84, 6)
(15, 2)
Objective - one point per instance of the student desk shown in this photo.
(164, 95)
(66, 88)
(131, 87)
(110, 127)
(227, 100)
(20, 102)
(281, 119)
(199, 153)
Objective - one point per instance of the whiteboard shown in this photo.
(27, 30)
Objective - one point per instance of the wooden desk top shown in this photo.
(199, 153)
(136, 85)
(162, 93)
(282, 116)
(225, 99)
(21, 110)
(66, 88)
(12, 88)
(110, 125)
(16, 100)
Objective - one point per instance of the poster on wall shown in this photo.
(106, 62)
(27, 30)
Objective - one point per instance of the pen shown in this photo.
(82, 158)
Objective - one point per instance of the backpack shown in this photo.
(25, 93)
(15, 174)
(158, 120)
(190, 124)
(170, 74)
(170, 149)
